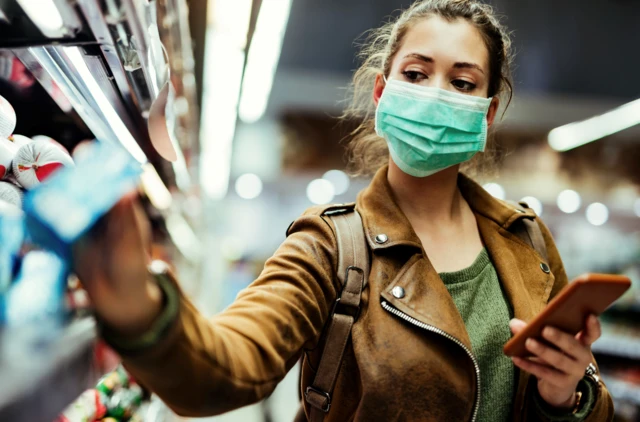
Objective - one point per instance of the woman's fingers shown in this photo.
(554, 358)
(516, 325)
(541, 371)
(566, 343)
(591, 332)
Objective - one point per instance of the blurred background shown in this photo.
(256, 87)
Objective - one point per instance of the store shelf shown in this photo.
(44, 368)
(622, 390)
(618, 345)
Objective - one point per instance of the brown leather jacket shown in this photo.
(394, 370)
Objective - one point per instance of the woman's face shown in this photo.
(442, 54)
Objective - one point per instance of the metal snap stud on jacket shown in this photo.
(398, 292)
(544, 267)
(382, 238)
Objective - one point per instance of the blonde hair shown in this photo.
(367, 151)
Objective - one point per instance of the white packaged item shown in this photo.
(36, 161)
(20, 140)
(7, 118)
(11, 193)
(49, 139)
(8, 151)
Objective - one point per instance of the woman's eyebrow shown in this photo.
(467, 65)
(457, 65)
(420, 57)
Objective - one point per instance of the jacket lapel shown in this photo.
(426, 299)
(518, 268)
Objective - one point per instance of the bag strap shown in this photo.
(531, 233)
(352, 272)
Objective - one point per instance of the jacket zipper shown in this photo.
(436, 330)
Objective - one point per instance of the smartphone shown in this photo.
(568, 311)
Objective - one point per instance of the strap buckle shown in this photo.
(342, 308)
(323, 395)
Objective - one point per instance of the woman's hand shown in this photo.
(558, 369)
(111, 261)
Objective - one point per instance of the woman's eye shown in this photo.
(463, 85)
(414, 75)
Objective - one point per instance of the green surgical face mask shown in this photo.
(430, 129)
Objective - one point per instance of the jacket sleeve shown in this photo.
(602, 403)
(206, 367)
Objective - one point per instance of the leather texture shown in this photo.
(352, 272)
(391, 370)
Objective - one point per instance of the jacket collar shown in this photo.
(386, 225)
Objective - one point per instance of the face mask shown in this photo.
(430, 129)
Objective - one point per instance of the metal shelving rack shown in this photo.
(107, 65)
(42, 369)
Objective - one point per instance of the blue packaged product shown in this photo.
(11, 239)
(65, 207)
(37, 295)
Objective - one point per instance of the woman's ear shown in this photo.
(493, 110)
(378, 87)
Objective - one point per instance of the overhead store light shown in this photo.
(576, 134)
(224, 59)
(110, 114)
(339, 179)
(495, 190)
(534, 203)
(597, 214)
(45, 15)
(248, 186)
(262, 60)
(569, 201)
(320, 191)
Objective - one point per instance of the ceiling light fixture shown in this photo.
(263, 57)
(576, 134)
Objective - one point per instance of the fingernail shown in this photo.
(548, 332)
(530, 343)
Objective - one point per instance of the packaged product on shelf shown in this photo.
(115, 379)
(124, 402)
(90, 406)
(7, 118)
(38, 290)
(70, 203)
(49, 140)
(11, 193)
(12, 236)
(117, 399)
(20, 140)
(8, 151)
(37, 161)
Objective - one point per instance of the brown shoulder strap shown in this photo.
(352, 272)
(534, 233)
(530, 233)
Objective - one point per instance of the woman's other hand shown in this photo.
(558, 369)
(111, 261)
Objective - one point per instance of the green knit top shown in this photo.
(486, 312)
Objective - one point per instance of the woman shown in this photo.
(441, 252)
